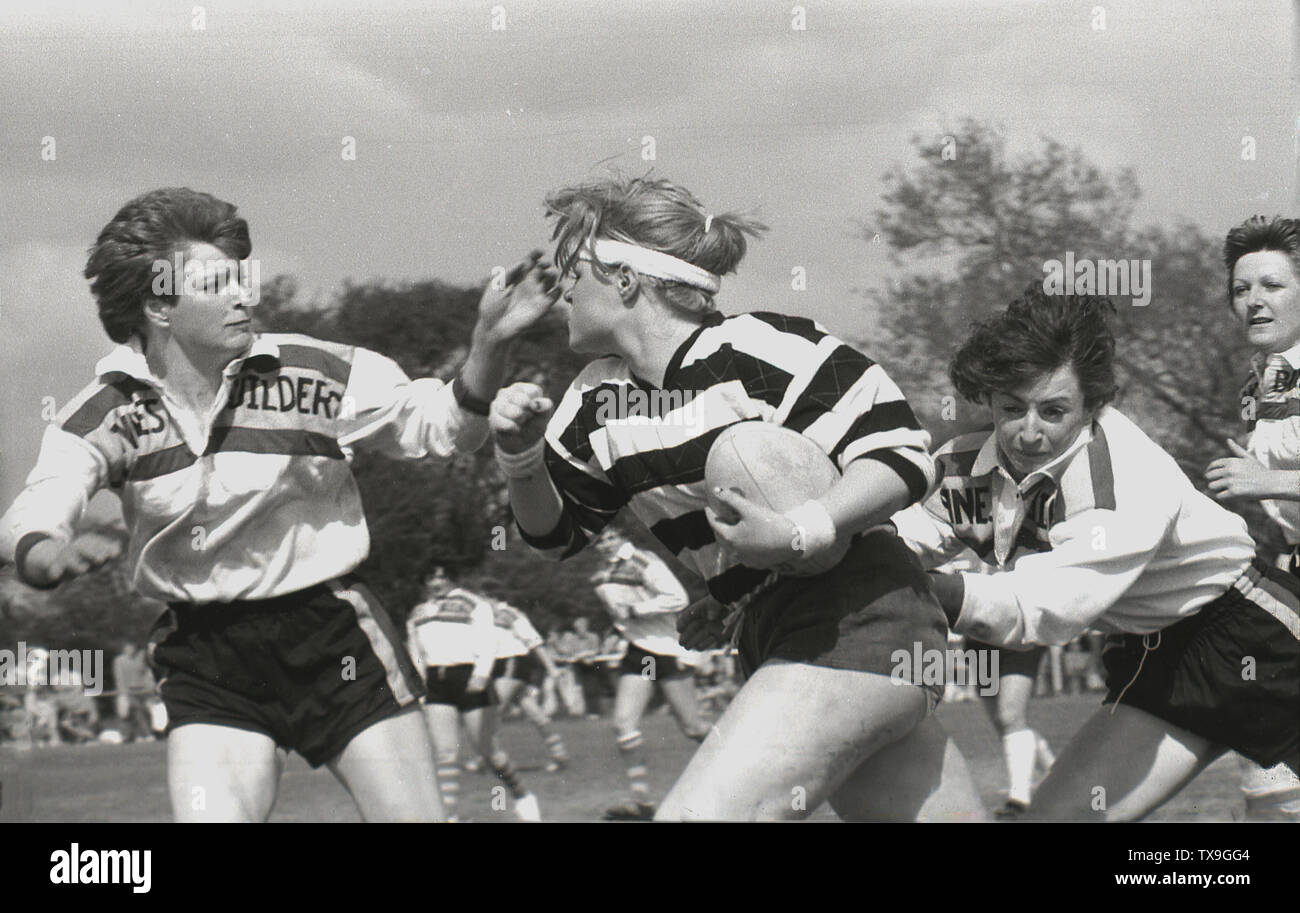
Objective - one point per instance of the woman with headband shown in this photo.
(819, 717)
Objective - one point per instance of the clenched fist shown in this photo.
(519, 415)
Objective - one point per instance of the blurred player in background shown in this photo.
(230, 451)
(821, 715)
(1090, 524)
(523, 662)
(1263, 261)
(643, 598)
(452, 636)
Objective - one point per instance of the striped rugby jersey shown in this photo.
(1274, 392)
(256, 498)
(1111, 535)
(452, 630)
(759, 366)
(515, 633)
(643, 597)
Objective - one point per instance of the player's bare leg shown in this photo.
(679, 692)
(220, 773)
(630, 701)
(1121, 767)
(388, 769)
(481, 724)
(511, 689)
(789, 740)
(1023, 749)
(443, 723)
(921, 777)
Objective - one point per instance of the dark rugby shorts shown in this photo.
(310, 669)
(1195, 672)
(446, 685)
(876, 601)
(662, 668)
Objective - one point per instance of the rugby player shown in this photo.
(452, 636)
(522, 660)
(819, 717)
(1262, 257)
(643, 598)
(1090, 524)
(230, 452)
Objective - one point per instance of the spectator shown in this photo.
(134, 685)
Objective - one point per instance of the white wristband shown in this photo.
(814, 528)
(525, 463)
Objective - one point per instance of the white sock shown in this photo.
(1018, 749)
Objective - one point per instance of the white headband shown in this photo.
(656, 263)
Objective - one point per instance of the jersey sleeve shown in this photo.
(925, 529)
(385, 410)
(1053, 596)
(588, 499)
(848, 404)
(68, 472)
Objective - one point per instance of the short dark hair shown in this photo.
(150, 228)
(1035, 335)
(1258, 233)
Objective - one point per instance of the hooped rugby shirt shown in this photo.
(1111, 535)
(456, 629)
(756, 366)
(1274, 393)
(643, 597)
(256, 498)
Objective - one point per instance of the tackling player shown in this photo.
(643, 262)
(1093, 525)
(230, 452)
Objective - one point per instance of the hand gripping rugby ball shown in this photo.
(776, 467)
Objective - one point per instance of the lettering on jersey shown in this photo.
(143, 417)
(966, 505)
(286, 393)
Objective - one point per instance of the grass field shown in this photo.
(127, 782)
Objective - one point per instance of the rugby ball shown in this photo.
(776, 467)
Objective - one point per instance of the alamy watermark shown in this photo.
(633, 405)
(1072, 276)
(964, 668)
(183, 275)
(23, 667)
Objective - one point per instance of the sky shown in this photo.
(461, 128)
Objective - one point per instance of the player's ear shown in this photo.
(628, 283)
(157, 312)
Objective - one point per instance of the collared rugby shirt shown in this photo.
(1274, 392)
(453, 630)
(255, 499)
(759, 366)
(516, 635)
(1112, 535)
(643, 597)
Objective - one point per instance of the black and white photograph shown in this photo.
(561, 411)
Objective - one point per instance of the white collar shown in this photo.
(129, 359)
(990, 458)
(1291, 356)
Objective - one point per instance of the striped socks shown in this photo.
(630, 746)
